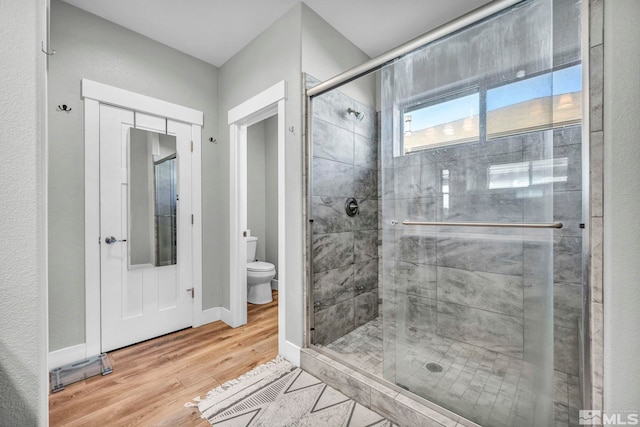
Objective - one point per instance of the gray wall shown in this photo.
(621, 205)
(23, 305)
(271, 57)
(93, 48)
(262, 188)
(89, 47)
(345, 249)
(256, 197)
(291, 45)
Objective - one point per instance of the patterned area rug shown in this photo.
(279, 394)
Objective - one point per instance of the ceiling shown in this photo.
(215, 30)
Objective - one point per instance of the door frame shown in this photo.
(266, 104)
(94, 94)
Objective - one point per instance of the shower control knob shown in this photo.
(351, 206)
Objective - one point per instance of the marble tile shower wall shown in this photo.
(476, 290)
(345, 249)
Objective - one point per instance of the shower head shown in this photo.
(357, 114)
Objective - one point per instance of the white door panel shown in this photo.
(145, 301)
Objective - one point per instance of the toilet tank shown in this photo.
(252, 244)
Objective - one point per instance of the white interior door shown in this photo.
(139, 302)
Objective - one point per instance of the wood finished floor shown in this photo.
(152, 381)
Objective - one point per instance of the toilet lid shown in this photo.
(260, 266)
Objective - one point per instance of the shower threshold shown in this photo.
(495, 388)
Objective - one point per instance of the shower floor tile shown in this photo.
(492, 388)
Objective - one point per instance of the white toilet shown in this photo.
(259, 275)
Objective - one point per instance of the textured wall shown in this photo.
(345, 249)
(621, 205)
(93, 48)
(23, 384)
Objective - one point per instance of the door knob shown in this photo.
(111, 240)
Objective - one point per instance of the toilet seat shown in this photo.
(260, 266)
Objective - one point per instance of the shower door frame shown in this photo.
(350, 75)
(341, 79)
(376, 64)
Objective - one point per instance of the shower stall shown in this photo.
(445, 210)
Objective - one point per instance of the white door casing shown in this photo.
(266, 104)
(139, 303)
(179, 121)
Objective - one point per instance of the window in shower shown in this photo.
(447, 120)
(544, 101)
(547, 100)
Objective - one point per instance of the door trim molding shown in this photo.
(94, 94)
(266, 104)
(134, 101)
(92, 226)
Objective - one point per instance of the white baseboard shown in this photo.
(290, 351)
(207, 316)
(226, 317)
(274, 284)
(67, 355)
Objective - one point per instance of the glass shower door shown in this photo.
(467, 219)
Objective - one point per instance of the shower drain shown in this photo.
(434, 367)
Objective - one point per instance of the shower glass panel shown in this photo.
(467, 310)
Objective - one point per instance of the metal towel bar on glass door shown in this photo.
(487, 224)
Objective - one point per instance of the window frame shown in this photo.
(482, 87)
(441, 96)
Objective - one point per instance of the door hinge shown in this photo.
(192, 146)
(193, 292)
(191, 219)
